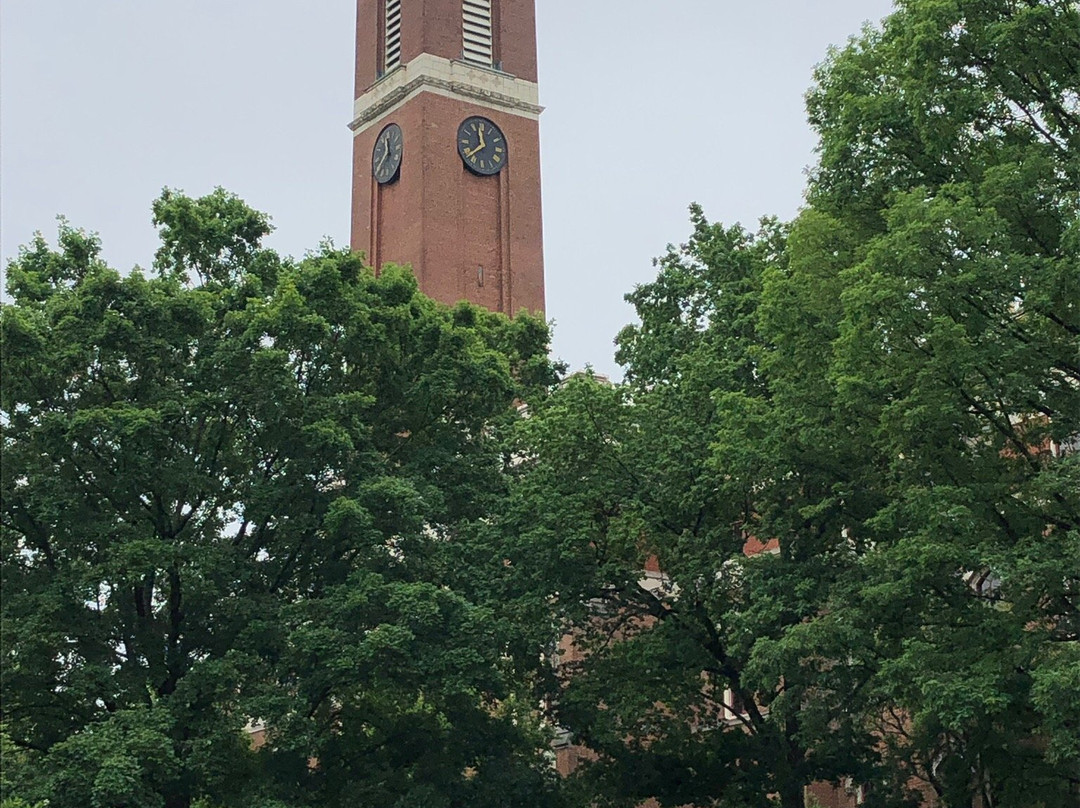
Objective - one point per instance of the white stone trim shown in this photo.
(451, 78)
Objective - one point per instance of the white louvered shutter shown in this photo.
(476, 32)
(393, 34)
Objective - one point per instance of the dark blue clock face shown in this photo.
(386, 156)
(482, 146)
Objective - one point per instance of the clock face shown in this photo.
(386, 156)
(482, 146)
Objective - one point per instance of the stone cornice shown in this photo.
(484, 87)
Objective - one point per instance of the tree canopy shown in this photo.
(826, 530)
(849, 443)
(230, 488)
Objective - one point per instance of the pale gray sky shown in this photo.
(105, 102)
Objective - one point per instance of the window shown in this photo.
(733, 703)
(476, 29)
(1069, 445)
(858, 792)
(392, 47)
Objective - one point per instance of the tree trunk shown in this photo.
(792, 794)
(792, 791)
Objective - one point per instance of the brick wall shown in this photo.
(445, 221)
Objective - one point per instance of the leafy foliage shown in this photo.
(826, 530)
(229, 493)
(888, 389)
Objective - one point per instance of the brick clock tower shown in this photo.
(446, 148)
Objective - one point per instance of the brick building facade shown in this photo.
(469, 231)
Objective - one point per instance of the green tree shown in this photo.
(950, 142)
(889, 388)
(230, 490)
(721, 687)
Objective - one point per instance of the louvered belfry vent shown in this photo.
(393, 34)
(476, 32)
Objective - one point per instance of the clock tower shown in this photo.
(446, 148)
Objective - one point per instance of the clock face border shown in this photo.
(495, 153)
(387, 154)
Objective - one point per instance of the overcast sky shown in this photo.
(105, 102)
